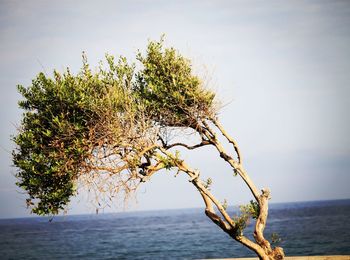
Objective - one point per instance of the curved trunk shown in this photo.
(260, 246)
(263, 252)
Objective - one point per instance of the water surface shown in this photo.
(307, 228)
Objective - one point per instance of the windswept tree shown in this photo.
(107, 129)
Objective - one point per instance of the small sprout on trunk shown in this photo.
(208, 183)
(254, 209)
(224, 204)
(275, 238)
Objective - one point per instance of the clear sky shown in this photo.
(281, 67)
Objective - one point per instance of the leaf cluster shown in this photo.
(248, 211)
(170, 90)
(64, 118)
(99, 123)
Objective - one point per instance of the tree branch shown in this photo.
(203, 143)
(149, 171)
(195, 180)
(251, 245)
(211, 135)
(229, 139)
(261, 221)
(209, 211)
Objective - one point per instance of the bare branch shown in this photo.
(261, 221)
(195, 180)
(229, 139)
(150, 170)
(203, 143)
(211, 135)
(209, 211)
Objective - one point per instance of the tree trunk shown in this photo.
(265, 253)
(260, 246)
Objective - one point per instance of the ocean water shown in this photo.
(307, 228)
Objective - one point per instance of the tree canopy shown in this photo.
(71, 121)
(106, 128)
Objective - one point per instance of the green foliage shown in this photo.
(248, 211)
(254, 209)
(208, 183)
(169, 161)
(225, 204)
(169, 90)
(69, 119)
(55, 134)
(275, 238)
(241, 223)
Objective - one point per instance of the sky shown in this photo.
(281, 70)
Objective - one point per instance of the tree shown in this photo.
(108, 129)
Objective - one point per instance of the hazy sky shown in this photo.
(281, 67)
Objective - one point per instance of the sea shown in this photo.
(303, 228)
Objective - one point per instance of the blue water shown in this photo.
(308, 228)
